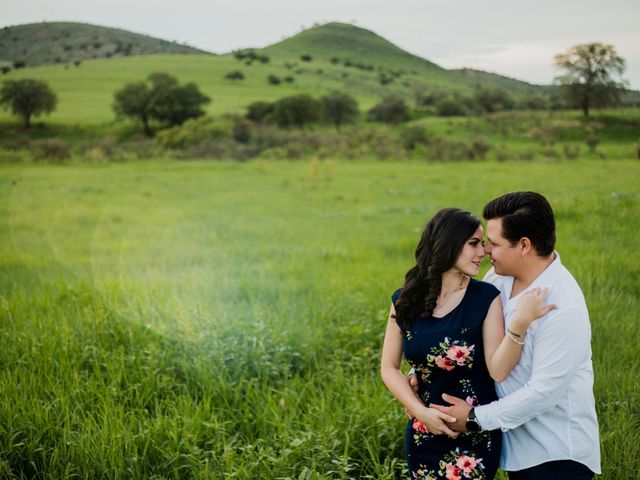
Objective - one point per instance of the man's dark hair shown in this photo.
(525, 214)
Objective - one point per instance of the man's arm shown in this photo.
(561, 344)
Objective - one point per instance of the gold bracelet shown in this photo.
(512, 337)
(514, 333)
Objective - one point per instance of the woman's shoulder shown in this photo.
(484, 289)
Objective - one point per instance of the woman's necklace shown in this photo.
(443, 303)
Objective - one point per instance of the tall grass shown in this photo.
(198, 320)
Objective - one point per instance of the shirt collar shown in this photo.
(546, 278)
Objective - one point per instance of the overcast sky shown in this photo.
(512, 38)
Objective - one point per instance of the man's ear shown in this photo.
(525, 246)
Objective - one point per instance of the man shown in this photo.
(546, 408)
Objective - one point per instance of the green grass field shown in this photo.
(224, 320)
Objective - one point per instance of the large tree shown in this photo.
(162, 99)
(589, 71)
(27, 98)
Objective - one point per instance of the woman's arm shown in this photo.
(502, 352)
(397, 383)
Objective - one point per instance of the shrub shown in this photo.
(241, 131)
(296, 110)
(551, 153)
(247, 54)
(339, 108)
(273, 80)
(392, 109)
(51, 149)
(534, 101)
(100, 150)
(570, 152)
(450, 106)
(412, 136)
(235, 75)
(527, 155)
(442, 149)
(306, 57)
(384, 79)
(194, 131)
(493, 99)
(424, 96)
(259, 111)
(219, 149)
(592, 142)
(479, 147)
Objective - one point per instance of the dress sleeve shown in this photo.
(395, 296)
(394, 299)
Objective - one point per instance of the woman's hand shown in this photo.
(434, 421)
(530, 307)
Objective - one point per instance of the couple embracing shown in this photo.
(501, 368)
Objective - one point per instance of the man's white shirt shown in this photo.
(546, 408)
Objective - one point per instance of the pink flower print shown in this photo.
(459, 353)
(466, 464)
(473, 401)
(419, 426)
(444, 362)
(453, 472)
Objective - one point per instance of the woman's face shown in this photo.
(472, 254)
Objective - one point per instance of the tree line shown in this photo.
(589, 79)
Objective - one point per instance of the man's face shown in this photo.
(504, 257)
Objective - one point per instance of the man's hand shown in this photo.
(458, 409)
(413, 382)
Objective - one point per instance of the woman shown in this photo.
(451, 331)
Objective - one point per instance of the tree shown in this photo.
(235, 75)
(339, 108)
(588, 79)
(392, 109)
(296, 110)
(27, 98)
(162, 99)
(133, 100)
(177, 104)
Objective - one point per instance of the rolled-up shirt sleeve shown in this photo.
(560, 345)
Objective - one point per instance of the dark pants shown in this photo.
(557, 470)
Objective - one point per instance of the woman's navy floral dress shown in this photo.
(447, 353)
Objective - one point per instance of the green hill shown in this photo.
(66, 42)
(322, 58)
(346, 42)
